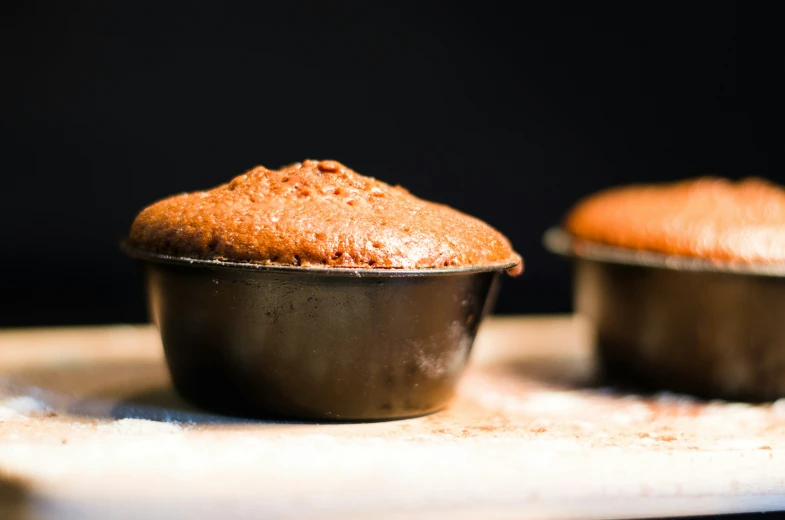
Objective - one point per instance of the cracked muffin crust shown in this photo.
(318, 213)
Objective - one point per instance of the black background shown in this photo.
(507, 111)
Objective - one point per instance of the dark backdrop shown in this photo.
(507, 111)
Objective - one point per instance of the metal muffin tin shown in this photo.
(712, 329)
(316, 343)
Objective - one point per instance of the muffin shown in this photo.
(709, 218)
(313, 292)
(318, 214)
(683, 283)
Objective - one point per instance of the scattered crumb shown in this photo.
(485, 428)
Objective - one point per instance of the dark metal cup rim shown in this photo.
(560, 242)
(377, 272)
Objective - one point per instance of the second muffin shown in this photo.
(710, 218)
(684, 284)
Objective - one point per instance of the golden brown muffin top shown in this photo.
(317, 214)
(707, 217)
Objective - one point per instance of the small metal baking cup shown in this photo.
(713, 329)
(315, 343)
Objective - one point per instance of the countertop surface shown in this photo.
(91, 428)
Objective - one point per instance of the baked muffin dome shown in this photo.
(707, 217)
(318, 213)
